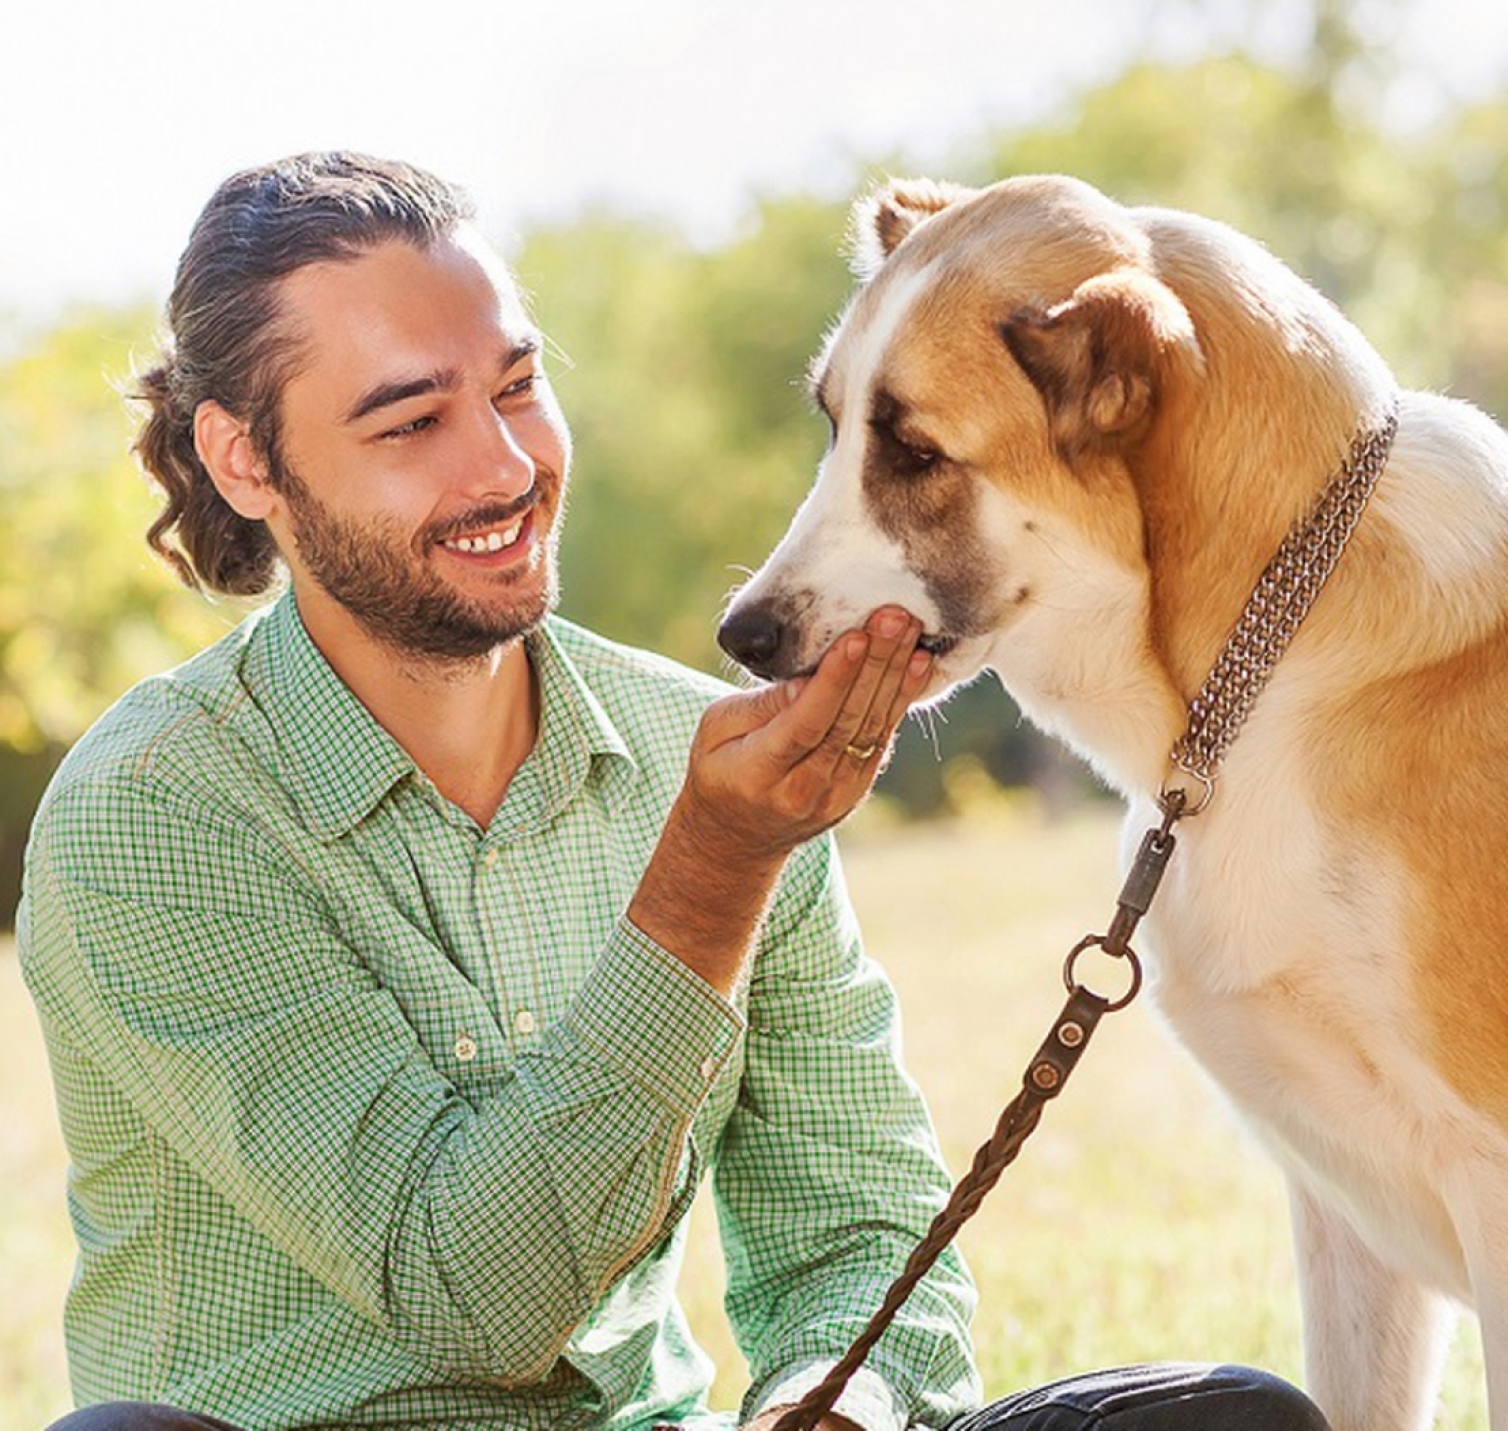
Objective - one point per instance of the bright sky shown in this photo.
(118, 117)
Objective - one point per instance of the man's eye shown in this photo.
(519, 386)
(409, 429)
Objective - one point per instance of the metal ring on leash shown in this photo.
(1097, 941)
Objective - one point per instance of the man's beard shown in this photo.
(372, 570)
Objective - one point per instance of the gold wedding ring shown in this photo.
(860, 753)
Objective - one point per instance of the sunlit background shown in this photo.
(116, 120)
(670, 179)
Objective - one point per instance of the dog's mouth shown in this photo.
(936, 644)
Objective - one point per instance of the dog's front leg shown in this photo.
(1482, 1226)
(1492, 1310)
(1374, 1340)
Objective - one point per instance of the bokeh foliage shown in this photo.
(681, 370)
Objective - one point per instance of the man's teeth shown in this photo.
(493, 541)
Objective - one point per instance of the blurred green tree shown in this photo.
(84, 610)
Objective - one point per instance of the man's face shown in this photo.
(424, 457)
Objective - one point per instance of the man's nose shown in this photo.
(503, 462)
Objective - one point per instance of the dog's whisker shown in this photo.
(927, 718)
(737, 675)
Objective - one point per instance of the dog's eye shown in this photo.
(910, 459)
(906, 458)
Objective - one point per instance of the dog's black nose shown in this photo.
(753, 638)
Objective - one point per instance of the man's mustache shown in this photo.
(481, 517)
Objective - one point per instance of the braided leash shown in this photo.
(1043, 1080)
(1283, 596)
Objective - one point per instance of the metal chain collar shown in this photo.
(1282, 598)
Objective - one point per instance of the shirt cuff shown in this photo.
(661, 1025)
(867, 1400)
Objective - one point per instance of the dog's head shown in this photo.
(1007, 349)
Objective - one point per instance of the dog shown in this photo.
(1068, 436)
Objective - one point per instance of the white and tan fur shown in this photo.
(1128, 410)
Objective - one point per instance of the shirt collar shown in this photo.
(577, 741)
(338, 763)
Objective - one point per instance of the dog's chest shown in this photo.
(1277, 957)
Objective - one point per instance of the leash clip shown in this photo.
(1175, 797)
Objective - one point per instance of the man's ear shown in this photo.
(882, 219)
(1100, 359)
(225, 447)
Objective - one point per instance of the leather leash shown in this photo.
(1284, 593)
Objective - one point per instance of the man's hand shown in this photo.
(768, 770)
(771, 768)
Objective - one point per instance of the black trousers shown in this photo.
(1164, 1397)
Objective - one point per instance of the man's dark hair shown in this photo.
(226, 341)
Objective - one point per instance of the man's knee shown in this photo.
(136, 1416)
(1170, 1397)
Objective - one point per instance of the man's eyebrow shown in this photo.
(386, 394)
(442, 380)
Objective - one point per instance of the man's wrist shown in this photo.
(701, 903)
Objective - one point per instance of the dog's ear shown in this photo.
(882, 219)
(1099, 359)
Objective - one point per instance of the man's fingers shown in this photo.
(789, 719)
(744, 712)
(845, 712)
(865, 722)
(913, 682)
(881, 747)
(807, 723)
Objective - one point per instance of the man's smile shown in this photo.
(487, 542)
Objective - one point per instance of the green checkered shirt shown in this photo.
(379, 1119)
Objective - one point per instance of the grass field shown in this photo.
(1137, 1225)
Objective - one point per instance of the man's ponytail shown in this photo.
(197, 532)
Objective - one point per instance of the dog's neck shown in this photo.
(1281, 600)
(1203, 564)
(1205, 551)
(1244, 441)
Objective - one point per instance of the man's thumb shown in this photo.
(747, 711)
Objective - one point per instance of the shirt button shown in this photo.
(523, 1022)
(465, 1047)
(708, 1068)
(490, 858)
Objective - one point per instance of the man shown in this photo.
(407, 958)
